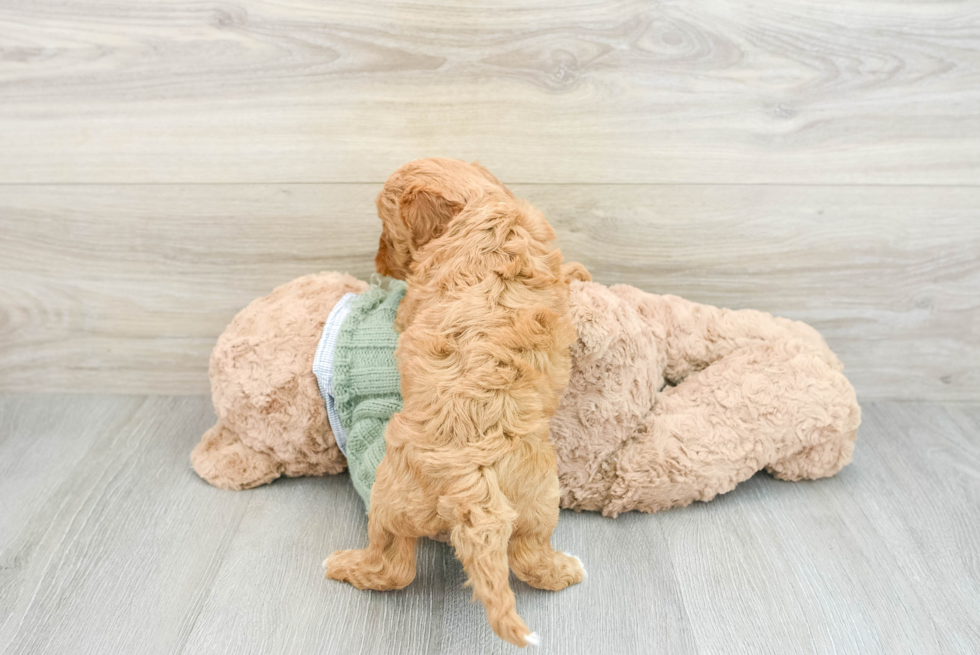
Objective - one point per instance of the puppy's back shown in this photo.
(486, 346)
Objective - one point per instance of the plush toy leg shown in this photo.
(224, 461)
(782, 407)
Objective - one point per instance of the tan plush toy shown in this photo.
(669, 401)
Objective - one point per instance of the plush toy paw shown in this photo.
(224, 461)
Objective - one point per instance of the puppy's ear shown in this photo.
(426, 211)
(384, 262)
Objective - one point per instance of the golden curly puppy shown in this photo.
(484, 358)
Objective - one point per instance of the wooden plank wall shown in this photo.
(162, 163)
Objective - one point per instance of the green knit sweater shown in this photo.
(366, 384)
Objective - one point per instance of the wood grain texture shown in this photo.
(617, 91)
(884, 573)
(126, 288)
(103, 564)
(270, 595)
(109, 543)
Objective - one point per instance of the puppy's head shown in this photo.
(417, 203)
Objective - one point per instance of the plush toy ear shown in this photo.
(426, 211)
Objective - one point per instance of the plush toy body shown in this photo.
(669, 401)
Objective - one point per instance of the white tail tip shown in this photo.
(533, 639)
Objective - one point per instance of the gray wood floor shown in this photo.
(110, 544)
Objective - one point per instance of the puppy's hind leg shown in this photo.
(482, 520)
(389, 560)
(531, 555)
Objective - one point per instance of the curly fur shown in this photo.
(483, 356)
(668, 401)
(748, 392)
(262, 384)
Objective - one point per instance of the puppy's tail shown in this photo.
(483, 520)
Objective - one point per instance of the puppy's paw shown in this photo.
(585, 574)
(338, 566)
(553, 571)
(365, 570)
(533, 639)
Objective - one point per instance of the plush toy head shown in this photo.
(418, 201)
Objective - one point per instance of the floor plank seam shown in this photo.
(204, 592)
(680, 589)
